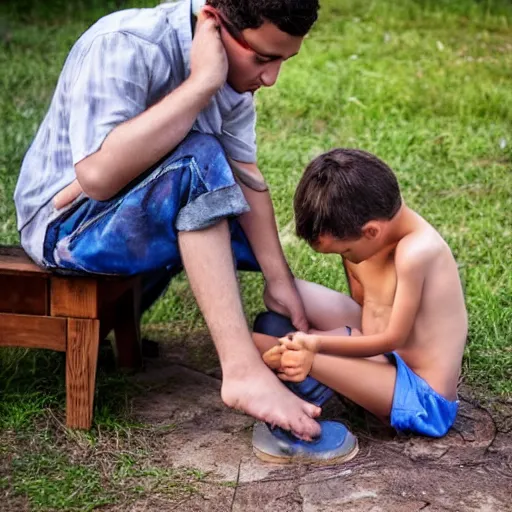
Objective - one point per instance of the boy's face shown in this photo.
(255, 55)
(355, 250)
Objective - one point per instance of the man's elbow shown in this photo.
(249, 175)
(92, 180)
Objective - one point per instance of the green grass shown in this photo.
(425, 85)
(84, 472)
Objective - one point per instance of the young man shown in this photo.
(396, 346)
(146, 156)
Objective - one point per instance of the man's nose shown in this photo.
(270, 74)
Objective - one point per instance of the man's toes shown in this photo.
(312, 410)
(281, 421)
(305, 428)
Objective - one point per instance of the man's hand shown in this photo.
(208, 59)
(297, 359)
(67, 195)
(272, 357)
(282, 297)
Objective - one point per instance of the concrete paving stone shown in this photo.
(281, 495)
(468, 470)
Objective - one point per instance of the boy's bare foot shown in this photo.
(272, 357)
(258, 392)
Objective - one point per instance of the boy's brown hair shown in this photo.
(340, 191)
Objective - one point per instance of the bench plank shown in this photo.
(24, 294)
(33, 331)
(14, 260)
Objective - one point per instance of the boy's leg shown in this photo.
(371, 384)
(327, 309)
(184, 198)
(270, 326)
(264, 342)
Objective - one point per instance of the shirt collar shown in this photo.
(197, 6)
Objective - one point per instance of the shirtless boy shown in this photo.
(395, 347)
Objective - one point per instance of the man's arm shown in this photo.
(260, 227)
(135, 145)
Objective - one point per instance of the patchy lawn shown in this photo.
(425, 85)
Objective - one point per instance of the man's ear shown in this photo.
(372, 230)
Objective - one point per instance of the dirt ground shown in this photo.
(468, 470)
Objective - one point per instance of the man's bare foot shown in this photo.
(259, 393)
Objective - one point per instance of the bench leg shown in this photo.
(127, 329)
(83, 337)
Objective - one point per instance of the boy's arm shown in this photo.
(354, 286)
(411, 265)
(259, 225)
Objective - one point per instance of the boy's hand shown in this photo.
(297, 360)
(272, 357)
(300, 340)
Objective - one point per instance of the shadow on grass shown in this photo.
(34, 381)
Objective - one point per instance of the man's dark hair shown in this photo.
(341, 191)
(295, 17)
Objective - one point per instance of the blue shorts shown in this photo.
(416, 406)
(136, 232)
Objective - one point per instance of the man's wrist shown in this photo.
(202, 88)
(277, 273)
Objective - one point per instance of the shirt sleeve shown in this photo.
(238, 135)
(109, 87)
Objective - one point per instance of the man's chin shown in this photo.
(240, 89)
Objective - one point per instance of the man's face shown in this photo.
(259, 65)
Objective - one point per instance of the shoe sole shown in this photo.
(305, 459)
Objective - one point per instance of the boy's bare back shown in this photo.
(435, 345)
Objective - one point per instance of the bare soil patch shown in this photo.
(469, 469)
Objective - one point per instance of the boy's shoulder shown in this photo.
(420, 247)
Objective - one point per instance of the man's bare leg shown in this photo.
(247, 383)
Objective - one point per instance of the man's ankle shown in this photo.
(243, 371)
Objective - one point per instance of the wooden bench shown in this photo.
(39, 309)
